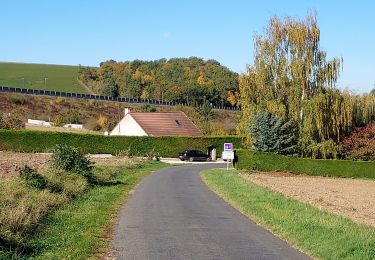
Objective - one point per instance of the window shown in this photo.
(178, 123)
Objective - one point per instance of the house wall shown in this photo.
(128, 126)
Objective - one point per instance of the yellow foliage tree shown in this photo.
(103, 122)
(201, 80)
(231, 98)
(58, 120)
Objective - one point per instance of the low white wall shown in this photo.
(39, 122)
(75, 126)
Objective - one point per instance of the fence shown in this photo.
(99, 97)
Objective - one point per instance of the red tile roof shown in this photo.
(166, 123)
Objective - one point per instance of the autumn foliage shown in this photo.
(360, 145)
(103, 122)
(192, 81)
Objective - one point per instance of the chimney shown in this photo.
(126, 111)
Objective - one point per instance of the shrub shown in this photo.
(103, 122)
(148, 108)
(324, 150)
(270, 133)
(327, 149)
(32, 178)
(11, 122)
(70, 159)
(72, 118)
(18, 100)
(205, 111)
(360, 145)
(261, 161)
(58, 120)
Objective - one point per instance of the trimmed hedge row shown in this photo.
(168, 146)
(251, 160)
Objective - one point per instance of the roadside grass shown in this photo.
(80, 229)
(320, 234)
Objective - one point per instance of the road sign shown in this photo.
(228, 147)
(228, 155)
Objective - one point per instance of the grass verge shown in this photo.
(80, 229)
(320, 234)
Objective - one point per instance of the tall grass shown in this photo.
(78, 230)
(22, 208)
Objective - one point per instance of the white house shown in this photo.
(155, 124)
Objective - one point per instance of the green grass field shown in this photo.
(40, 76)
(321, 234)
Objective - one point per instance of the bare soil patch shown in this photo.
(10, 161)
(353, 198)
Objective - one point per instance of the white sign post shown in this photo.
(228, 153)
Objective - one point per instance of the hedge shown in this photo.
(251, 160)
(168, 146)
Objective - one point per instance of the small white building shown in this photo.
(155, 124)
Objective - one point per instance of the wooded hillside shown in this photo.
(192, 81)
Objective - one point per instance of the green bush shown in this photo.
(70, 159)
(72, 118)
(148, 108)
(18, 100)
(167, 146)
(261, 161)
(32, 178)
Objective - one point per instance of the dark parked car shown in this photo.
(193, 155)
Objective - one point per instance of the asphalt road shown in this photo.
(173, 215)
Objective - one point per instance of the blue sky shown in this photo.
(90, 31)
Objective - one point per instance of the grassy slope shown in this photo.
(46, 108)
(60, 77)
(321, 234)
(79, 231)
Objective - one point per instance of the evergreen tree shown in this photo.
(270, 133)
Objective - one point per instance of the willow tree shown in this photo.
(289, 70)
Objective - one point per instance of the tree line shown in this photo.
(192, 81)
